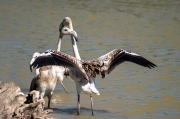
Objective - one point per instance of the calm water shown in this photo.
(150, 28)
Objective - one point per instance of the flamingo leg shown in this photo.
(49, 101)
(78, 105)
(63, 87)
(91, 104)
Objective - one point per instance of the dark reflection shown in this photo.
(73, 111)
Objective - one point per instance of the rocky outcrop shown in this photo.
(17, 105)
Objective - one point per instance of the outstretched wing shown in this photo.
(52, 57)
(112, 59)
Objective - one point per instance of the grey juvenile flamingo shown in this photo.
(47, 76)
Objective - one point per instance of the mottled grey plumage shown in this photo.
(47, 76)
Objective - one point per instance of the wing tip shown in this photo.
(151, 65)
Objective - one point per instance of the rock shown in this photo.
(16, 105)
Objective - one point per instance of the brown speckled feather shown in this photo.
(53, 57)
(115, 57)
(102, 65)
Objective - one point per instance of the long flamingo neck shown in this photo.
(74, 45)
(70, 25)
(59, 45)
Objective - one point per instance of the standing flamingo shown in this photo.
(85, 72)
(47, 76)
